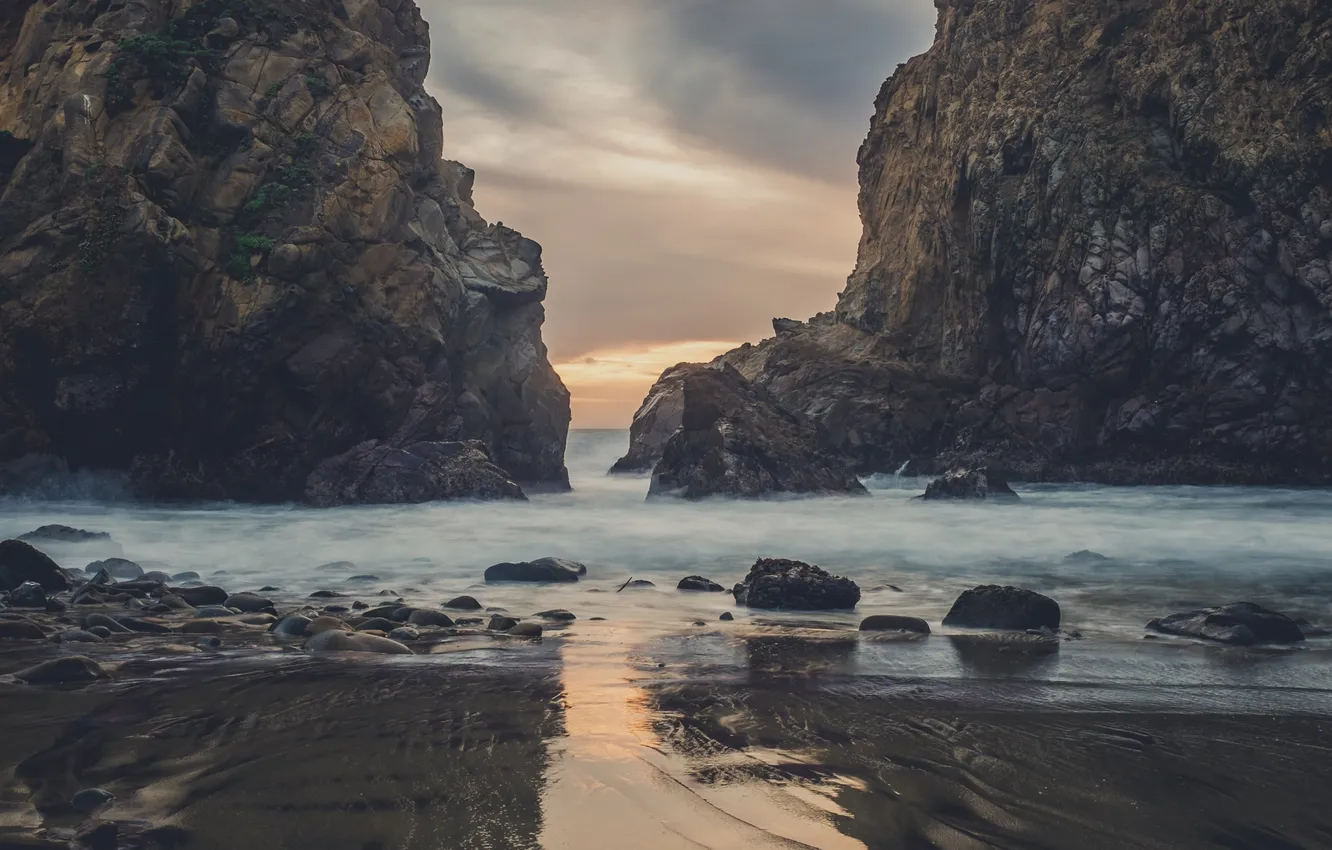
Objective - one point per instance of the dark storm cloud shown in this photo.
(789, 82)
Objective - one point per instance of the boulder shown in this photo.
(527, 630)
(62, 534)
(376, 473)
(700, 584)
(427, 617)
(463, 603)
(248, 603)
(540, 570)
(735, 439)
(70, 669)
(969, 485)
(1239, 624)
(117, 568)
(21, 630)
(500, 623)
(1085, 557)
(557, 615)
(726, 617)
(205, 594)
(376, 624)
(994, 607)
(28, 595)
(779, 583)
(292, 625)
(111, 624)
(894, 623)
(20, 562)
(77, 636)
(339, 641)
(91, 800)
(404, 634)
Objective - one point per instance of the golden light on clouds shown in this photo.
(607, 382)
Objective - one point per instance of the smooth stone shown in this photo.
(268, 588)
(21, 630)
(1239, 624)
(175, 602)
(404, 634)
(500, 623)
(248, 603)
(292, 625)
(468, 621)
(326, 624)
(338, 641)
(556, 614)
(376, 624)
(426, 617)
(991, 606)
(142, 626)
(337, 566)
(528, 630)
(463, 603)
(28, 595)
(325, 594)
(205, 594)
(188, 575)
(20, 562)
(117, 568)
(63, 534)
(540, 570)
(365, 578)
(90, 800)
(401, 614)
(637, 583)
(387, 592)
(258, 619)
(894, 623)
(383, 610)
(157, 576)
(726, 616)
(214, 611)
(337, 609)
(101, 631)
(699, 583)
(208, 642)
(73, 668)
(77, 636)
(110, 624)
(200, 627)
(358, 605)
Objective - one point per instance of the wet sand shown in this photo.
(609, 736)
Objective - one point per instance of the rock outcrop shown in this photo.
(783, 584)
(969, 485)
(1239, 623)
(732, 439)
(1097, 245)
(991, 606)
(231, 249)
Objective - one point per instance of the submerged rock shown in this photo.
(779, 583)
(1085, 556)
(91, 800)
(117, 568)
(427, 617)
(698, 583)
(463, 603)
(735, 439)
(248, 603)
(500, 623)
(204, 594)
(894, 623)
(292, 625)
(20, 562)
(1239, 623)
(339, 641)
(527, 630)
(994, 607)
(540, 570)
(374, 473)
(970, 484)
(63, 534)
(70, 669)
(557, 615)
(20, 630)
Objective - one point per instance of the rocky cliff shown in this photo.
(231, 249)
(1097, 244)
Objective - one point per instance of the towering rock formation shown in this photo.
(1097, 239)
(230, 250)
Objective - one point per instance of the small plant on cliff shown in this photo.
(273, 89)
(238, 265)
(317, 85)
(102, 226)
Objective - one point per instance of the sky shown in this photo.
(687, 165)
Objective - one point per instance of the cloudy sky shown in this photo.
(688, 165)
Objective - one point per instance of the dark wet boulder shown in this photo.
(205, 594)
(62, 534)
(378, 473)
(700, 584)
(20, 562)
(427, 617)
(376, 624)
(1239, 623)
(336, 567)
(726, 617)
(248, 603)
(363, 579)
(117, 568)
(994, 607)
(111, 624)
(188, 575)
(540, 570)
(292, 625)
(72, 668)
(735, 439)
(77, 636)
(894, 623)
(20, 630)
(325, 594)
(339, 641)
(404, 634)
(980, 484)
(1085, 557)
(527, 630)
(637, 584)
(779, 583)
(556, 615)
(91, 800)
(500, 623)
(102, 836)
(145, 626)
(463, 603)
(28, 595)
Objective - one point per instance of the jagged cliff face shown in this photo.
(1096, 244)
(230, 249)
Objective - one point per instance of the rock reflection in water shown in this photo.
(902, 769)
(801, 656)
(302, 754)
